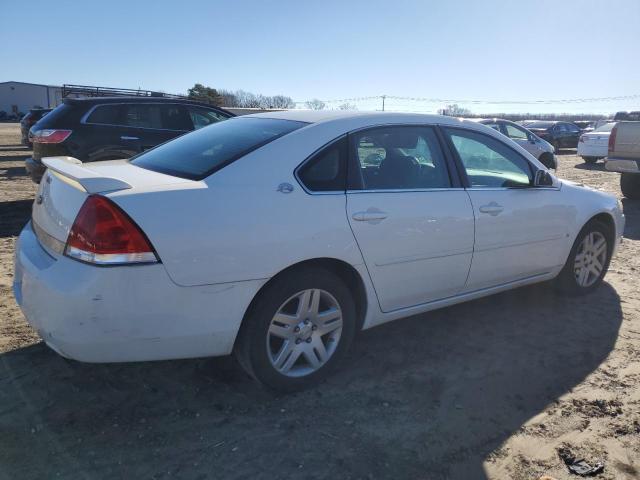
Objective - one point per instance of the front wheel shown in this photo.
(630, 185)
(588, 260)
(297, 330)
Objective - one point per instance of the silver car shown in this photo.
(539, 148)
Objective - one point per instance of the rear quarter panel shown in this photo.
(241, 227)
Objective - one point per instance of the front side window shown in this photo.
(516, 133)
(198, 154)
(201, 117)
(326, 171)
(488, 162)
(398, 158)
(494, 125)
(142, 116)
(175, 117)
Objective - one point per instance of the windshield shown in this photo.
(539, 125)
(200, 153)
(607, 127)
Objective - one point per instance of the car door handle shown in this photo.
(369, 216)
(492, 209)
(125, 137)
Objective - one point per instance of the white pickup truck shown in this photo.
(624, 156)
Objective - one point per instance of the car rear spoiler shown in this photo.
(71, 171)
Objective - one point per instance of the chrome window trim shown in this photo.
(409, 190)
(84, 118)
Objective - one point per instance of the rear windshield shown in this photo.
(198, 154)
(63, 116)
(607, 127)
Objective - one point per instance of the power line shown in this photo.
(483, 102)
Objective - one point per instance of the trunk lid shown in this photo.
(68, 182)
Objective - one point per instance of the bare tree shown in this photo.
(315, 104)
(454, 110)
(281, 101)
(347, 106)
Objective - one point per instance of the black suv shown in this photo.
(558, 134)
(110, 128)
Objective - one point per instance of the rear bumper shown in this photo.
(35, 169)
(622, 165)
(587, 150)
(120, 314)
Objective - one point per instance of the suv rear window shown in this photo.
(200, 153)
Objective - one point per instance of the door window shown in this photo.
(494, 125)
(105, 115)
(488, 162)
(142, 116)
(327, 170)
(397, 158)
(516, 133)
(201, 117)
(175, 117)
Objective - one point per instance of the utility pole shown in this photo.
(383, 97)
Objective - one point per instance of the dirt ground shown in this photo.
(488, 389)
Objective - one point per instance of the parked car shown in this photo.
(584, 125)
(624, 156)
(541, 149)
(28, 121)
(559, 134)
(108, 128)
(594, 145)
(278, 236)
(627, 116)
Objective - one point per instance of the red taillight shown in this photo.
(50, 136)
(612, 139)
(103, 234)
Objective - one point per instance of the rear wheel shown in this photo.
(630, 185)
(297, 330)
(556, 146)
(590, 159)
(588, 260)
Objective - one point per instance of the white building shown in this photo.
(21, 97)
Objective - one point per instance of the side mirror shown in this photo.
(543, 179)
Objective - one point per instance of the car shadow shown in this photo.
(17, 157)
(631, 209)
(13, 216)
(431, 396)
(16, 146)
(12, 172)
(598, 166)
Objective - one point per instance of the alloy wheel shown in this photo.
(304, 333)
(591, 258)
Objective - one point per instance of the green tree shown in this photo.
(205, 94)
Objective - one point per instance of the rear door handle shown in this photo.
(492, 209)
(368, 216)
(125, 137)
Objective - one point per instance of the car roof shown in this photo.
(322, 116)
(140, 99)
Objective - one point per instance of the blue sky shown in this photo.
(456, 49)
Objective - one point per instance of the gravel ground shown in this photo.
(488, 389)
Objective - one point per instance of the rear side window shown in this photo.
(142, 116)
(200, 153)
(105, 114)
(326, 171)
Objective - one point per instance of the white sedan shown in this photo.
(279, 236)
(594, 145)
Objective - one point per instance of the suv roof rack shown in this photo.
(76, 91)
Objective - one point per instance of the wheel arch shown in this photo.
(345, 271)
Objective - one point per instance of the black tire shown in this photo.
(251, 345)
(630, 185)
(590, 159)
(566, 281)
(556, 147)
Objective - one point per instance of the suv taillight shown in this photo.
(50, 136)
(612, 139)
(103, 234)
